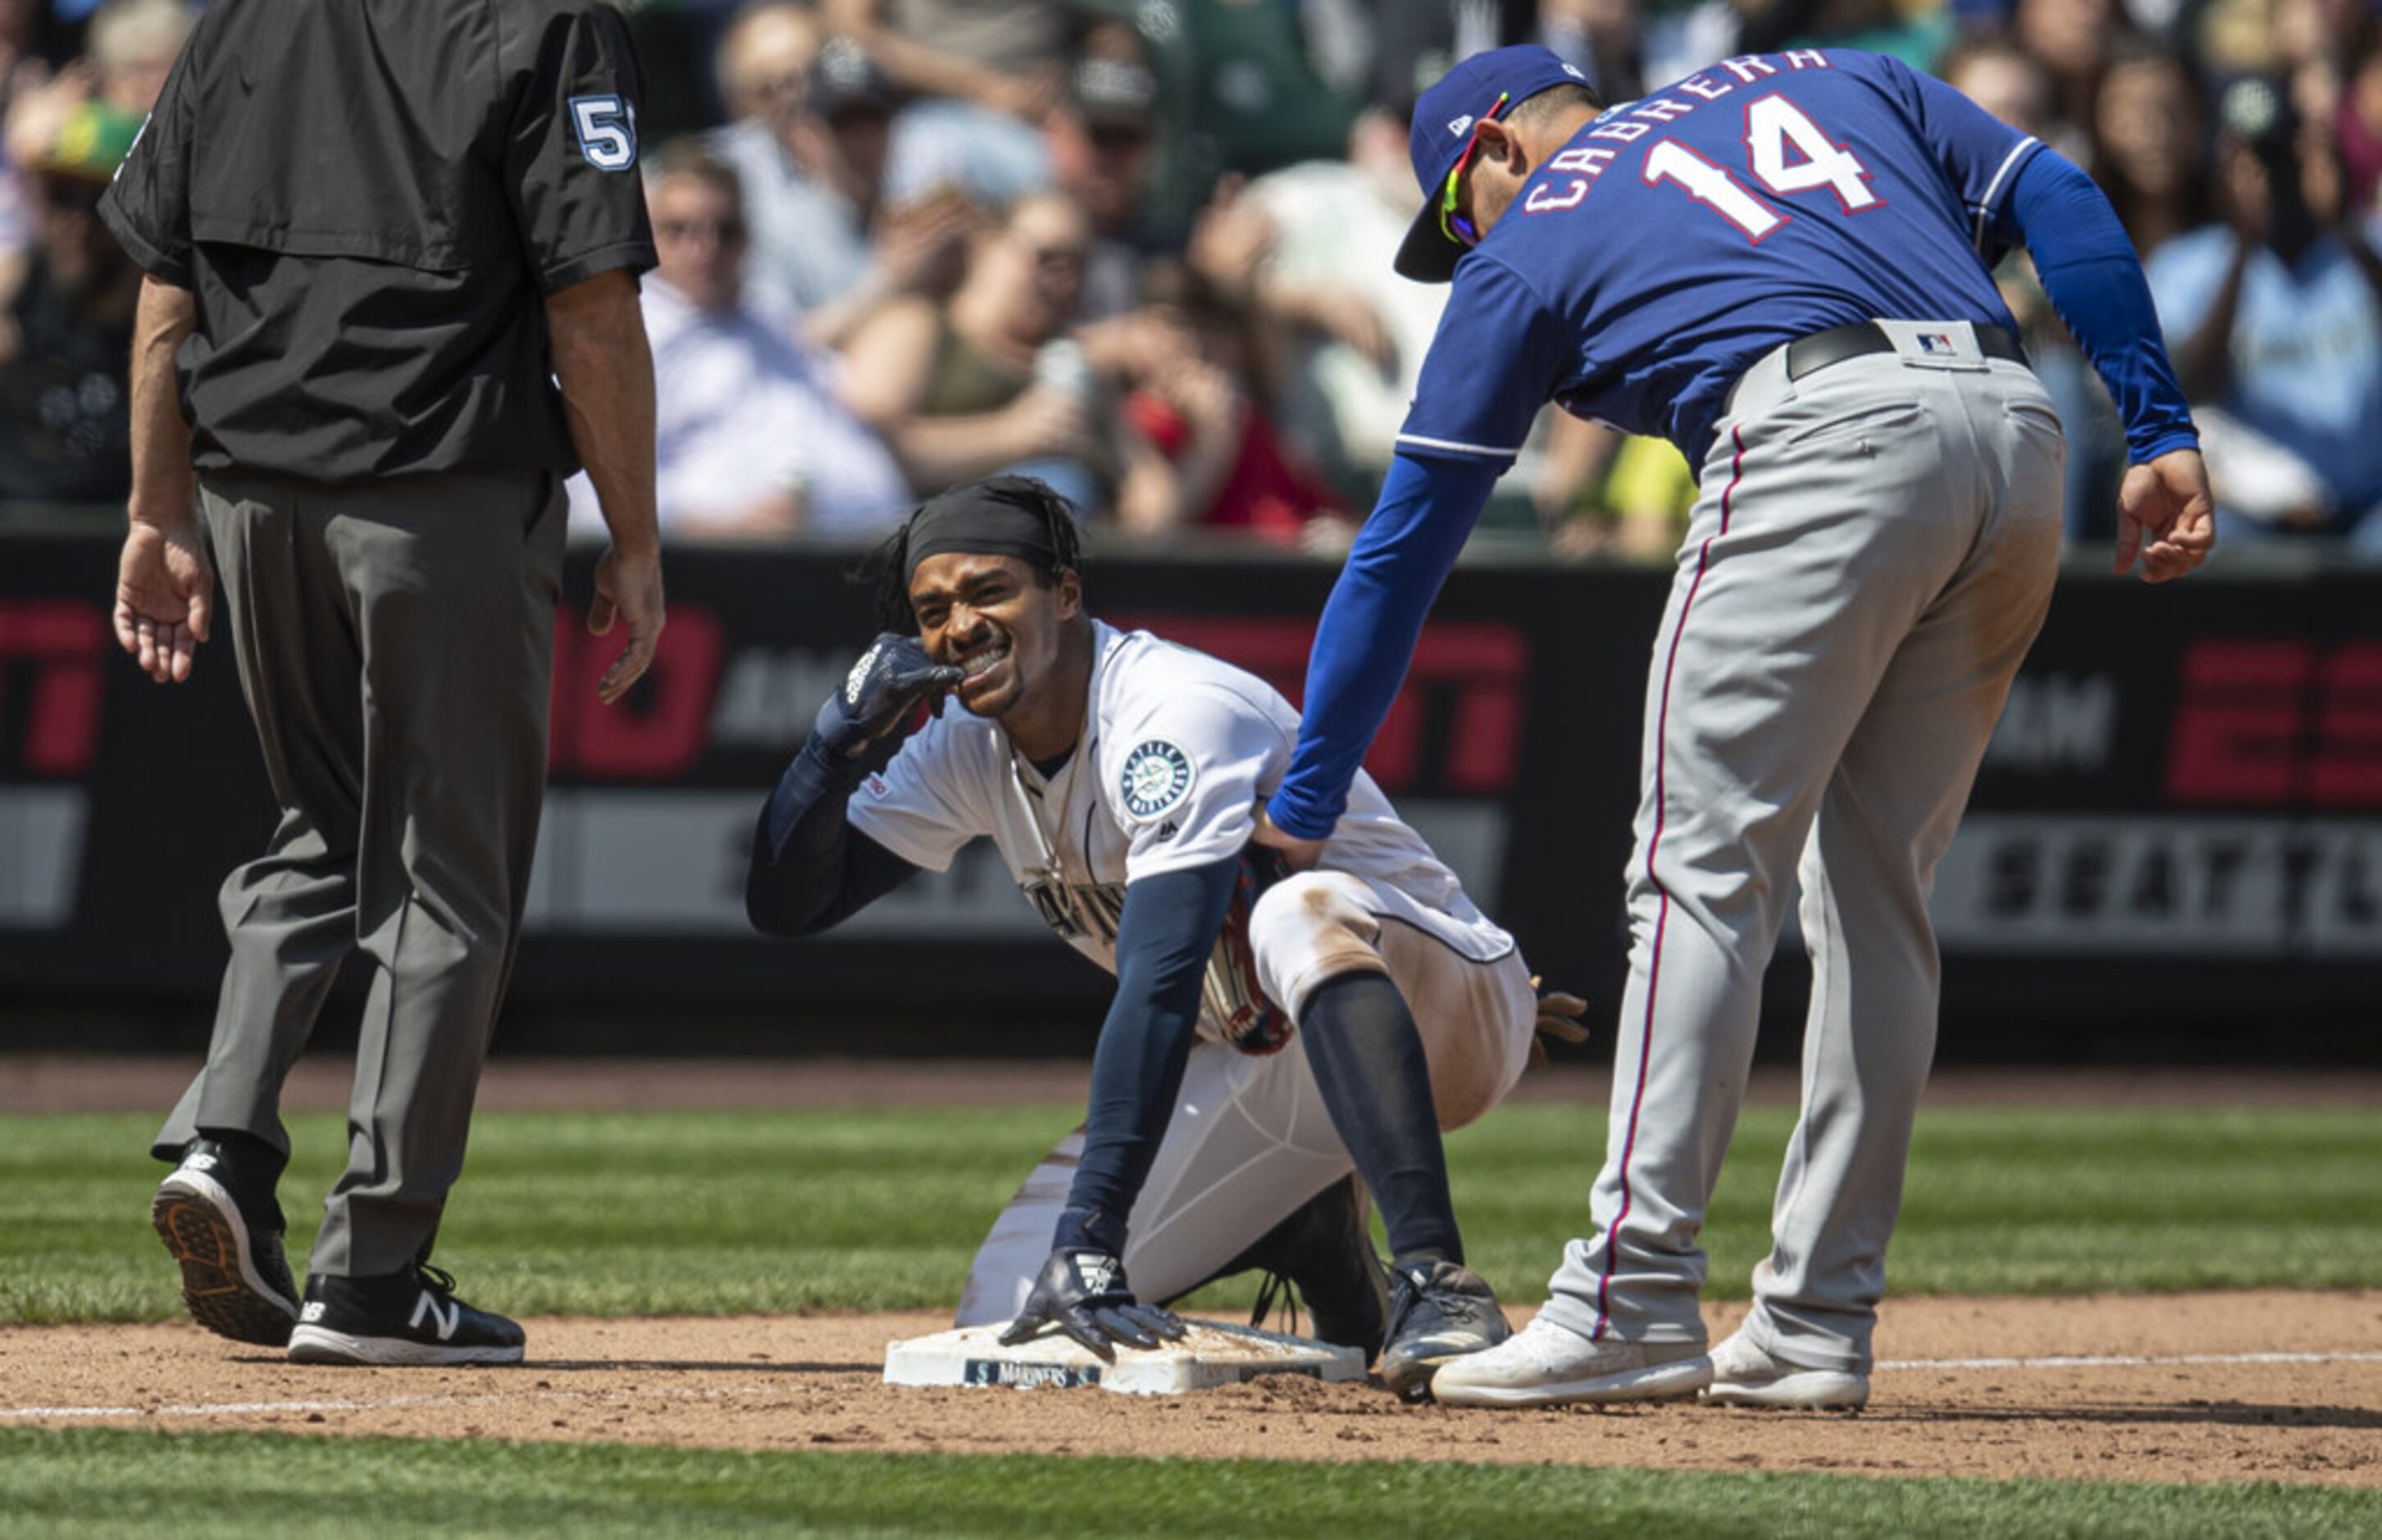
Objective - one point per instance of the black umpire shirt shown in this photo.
(370, 199)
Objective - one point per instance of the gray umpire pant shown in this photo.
(1872, 555)
(396, 644)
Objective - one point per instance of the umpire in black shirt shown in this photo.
(391, 250)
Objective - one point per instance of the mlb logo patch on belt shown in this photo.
(1935, 344)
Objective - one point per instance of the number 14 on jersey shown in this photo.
(1785, 151)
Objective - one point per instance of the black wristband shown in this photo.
(1093, 1229)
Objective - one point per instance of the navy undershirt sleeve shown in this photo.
(2095, 283)
(811, 868)
(1164, 938)
(1370, 624)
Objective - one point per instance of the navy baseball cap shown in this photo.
(1442, 131)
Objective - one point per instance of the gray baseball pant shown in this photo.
(395, 641)
(1872, 555)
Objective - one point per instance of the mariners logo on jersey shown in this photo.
(1157, 777)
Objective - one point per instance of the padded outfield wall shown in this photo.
(2175, 851)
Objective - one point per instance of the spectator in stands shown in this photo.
(131, 43)
(1258, 102)
(1102, 141)
(750, 439)
(1621, 496)
(809, 232)
(2010, 84)
(65, 337)
(2276, 319)
(809, 145)
(2069, 39)
(1356, 332)
(1603, 39)
(2324, 44)
(1413, 42)
(1208, 409)
(994, 380)
(2150, 142)
(982, 75)
(2358, 127)
(2004, 79)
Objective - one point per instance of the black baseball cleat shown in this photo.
(1438, 1310)
(1325, 1248)
(224, 1228)
(411, 1317)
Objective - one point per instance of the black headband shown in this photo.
(987, 518)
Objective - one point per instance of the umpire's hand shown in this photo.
(628, 584)
(165, 597)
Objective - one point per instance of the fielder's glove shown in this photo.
(888, 696)
(1082, 1291)
(1233, 997)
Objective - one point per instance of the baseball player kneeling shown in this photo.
(1118, 775)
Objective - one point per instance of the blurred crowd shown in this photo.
(1142, 247)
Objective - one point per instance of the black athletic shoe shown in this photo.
(226, 1235)
(1438, 1310)
(411, 1317)
(1325, 1248)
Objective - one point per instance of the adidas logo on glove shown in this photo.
(1097, 1273)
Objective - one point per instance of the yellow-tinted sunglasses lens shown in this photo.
(1453, 225)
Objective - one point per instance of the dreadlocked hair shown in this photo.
(886, 568)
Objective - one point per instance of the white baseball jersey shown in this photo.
(1179, 750)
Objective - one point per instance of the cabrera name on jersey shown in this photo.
(1180, 749)
(1676, 238)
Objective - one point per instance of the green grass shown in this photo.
(93, 1483)
(669, 1212)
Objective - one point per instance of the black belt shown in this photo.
(1808, 355)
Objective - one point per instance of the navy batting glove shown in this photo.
(888, 696)
(1082, 1290)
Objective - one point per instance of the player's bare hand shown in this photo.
(1298, 854)
(2166, 516)
(629, 589)
(164, 598)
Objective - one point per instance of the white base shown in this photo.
(1208, 1355)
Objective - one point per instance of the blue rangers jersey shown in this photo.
(1677, 238)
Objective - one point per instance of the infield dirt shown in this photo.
(2269, 1386)
(2249, 1386)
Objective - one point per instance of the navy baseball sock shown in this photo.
(1369, 1061)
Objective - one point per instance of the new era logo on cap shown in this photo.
(1456, 103)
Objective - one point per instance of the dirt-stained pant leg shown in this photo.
(399, 667)
(1876, 538)
(1250, 1139)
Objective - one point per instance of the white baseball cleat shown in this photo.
(1742, 1374)
(1545, 1364)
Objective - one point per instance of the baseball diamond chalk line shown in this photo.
(242, 1408)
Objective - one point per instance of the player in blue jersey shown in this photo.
(1781, 266)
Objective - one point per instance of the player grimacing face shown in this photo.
(997, 618)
